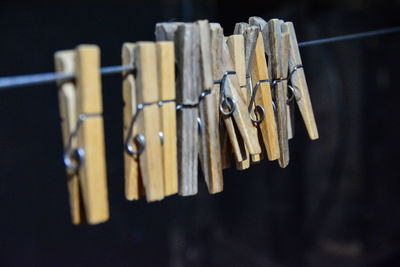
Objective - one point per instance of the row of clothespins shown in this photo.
(193, 94)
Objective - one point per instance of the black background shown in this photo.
(337, 204)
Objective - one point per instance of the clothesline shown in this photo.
(50, 77)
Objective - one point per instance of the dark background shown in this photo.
(337, 204)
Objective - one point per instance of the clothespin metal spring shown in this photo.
(77, 153)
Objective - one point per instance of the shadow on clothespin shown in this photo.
(83, 133)
(146, 116)
(188, 89)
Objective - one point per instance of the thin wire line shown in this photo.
(350, 37)
(44, 78)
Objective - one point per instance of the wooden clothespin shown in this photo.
(262, 25)
(298, 82)
(142, 122)
(217, 38)
(257, 67)
(166, 85)
(233, 107)
(280, 92)
(188, 89)
(236, 50)
(210, 149)
(83, 133)
(229, 128)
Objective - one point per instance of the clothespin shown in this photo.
(298, 82)
(236, 50)
(250, 39)
(187, 55)
(261, 91)
(217, 38)
(83, 133)
(280, 92)
(146, 117)
(166, 85)
(233, 107)
(262, 24)
(238, 147)
(209, 151)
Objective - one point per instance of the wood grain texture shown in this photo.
(131, 163)
(149, 120)
(275, 43)
(262, 25)
(210, 149)
(268, 126)
(91, 134)
(187, 53)
(298, 80)
(240, 114)
(65, 63)
(217, 39)
(166, 86)
(236, 48)
(250, 35)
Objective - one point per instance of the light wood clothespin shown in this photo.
(280, 92)
(144, 126)
(210, 149)
(188, 90)
(263, 26)
(298, 82)
(217, 38)
(233, 107)
(237, 51)
(259, 76)
(238, 147)
(83, 133)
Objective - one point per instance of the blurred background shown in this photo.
(337, 204)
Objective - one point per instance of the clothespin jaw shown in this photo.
(188, 89)
(298, 82)
(166, 85)
(148, 121)
(84, 109)
(210, 149)
(217, 39)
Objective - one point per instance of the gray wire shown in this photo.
(44, 78)
(350, 37)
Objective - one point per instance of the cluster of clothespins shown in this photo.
(193, 94)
